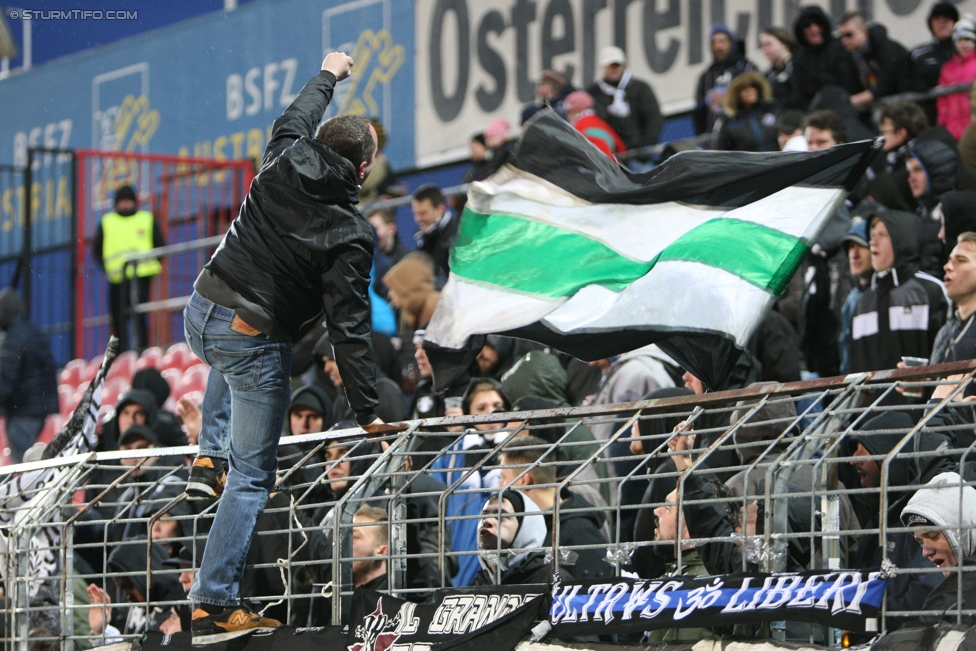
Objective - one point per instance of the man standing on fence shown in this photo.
(124, 231)
(299, 251)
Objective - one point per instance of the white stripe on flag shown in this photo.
(640, 232)
(675, 294)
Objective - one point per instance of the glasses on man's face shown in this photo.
(847, 35)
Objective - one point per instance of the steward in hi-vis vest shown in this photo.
(120, 233)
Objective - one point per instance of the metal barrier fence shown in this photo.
(772, 486)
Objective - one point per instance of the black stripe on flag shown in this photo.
(553, 150)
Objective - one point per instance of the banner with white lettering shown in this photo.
(469, 619)
(843, 599)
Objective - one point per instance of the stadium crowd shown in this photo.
(891, 279)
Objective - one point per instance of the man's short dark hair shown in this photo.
(431, 193)
(906, 115)
(789, 121)
(386, 214)
(526, 450)
(827, 120)
(349, 136)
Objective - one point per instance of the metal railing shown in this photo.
(101, 520)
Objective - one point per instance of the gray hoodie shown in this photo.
(938, 502)
(531, 534)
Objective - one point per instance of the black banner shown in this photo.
(474, 619)
(841, 599)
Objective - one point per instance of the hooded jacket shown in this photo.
(747, 129)
(517, 567)
(945, 502)
(896, 316)
(109, 439)
(300, 251)
(130, 558)
(413, 281)
(28, 377)
(717, 77)
(762, 444)
(816, 66)
(169, 430)
(940, 163)
(905, 591)
(632, 376)
(311, 396)
(508, 351)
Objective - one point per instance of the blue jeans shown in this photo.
(243, 411)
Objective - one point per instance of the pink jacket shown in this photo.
(954, 110)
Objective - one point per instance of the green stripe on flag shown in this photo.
(758, 254)
(536, 258)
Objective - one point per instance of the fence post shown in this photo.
(24, 265)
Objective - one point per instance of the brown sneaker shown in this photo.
(205, 479)
(227, 624)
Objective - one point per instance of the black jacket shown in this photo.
(300, 250)
(535, 569)
(642, 126)
(390, 406)
(905, 591)
(717, 75)
(783, 83)
(926, 63)
(28, 377)
(130, 559)
(437, 244)
(816, 66)
(883, 65)
(876, 342)
(943, 599)
(581, 528)
(747, 130)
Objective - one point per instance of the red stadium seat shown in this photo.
(113, 389)
(92, 368)
(123, 367)
(72, 372)
(196, 369)
(173, 376)
(76, 397)
(192, 382)
(52, 426)
(65, 391)
(177, 356)
(150, 358)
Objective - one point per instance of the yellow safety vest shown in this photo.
(124, 235)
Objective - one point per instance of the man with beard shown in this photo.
(691, 564)
(370, 540)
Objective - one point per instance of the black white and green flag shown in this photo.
(567, 248)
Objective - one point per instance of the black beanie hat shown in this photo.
(944, 9)
(125, 192)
